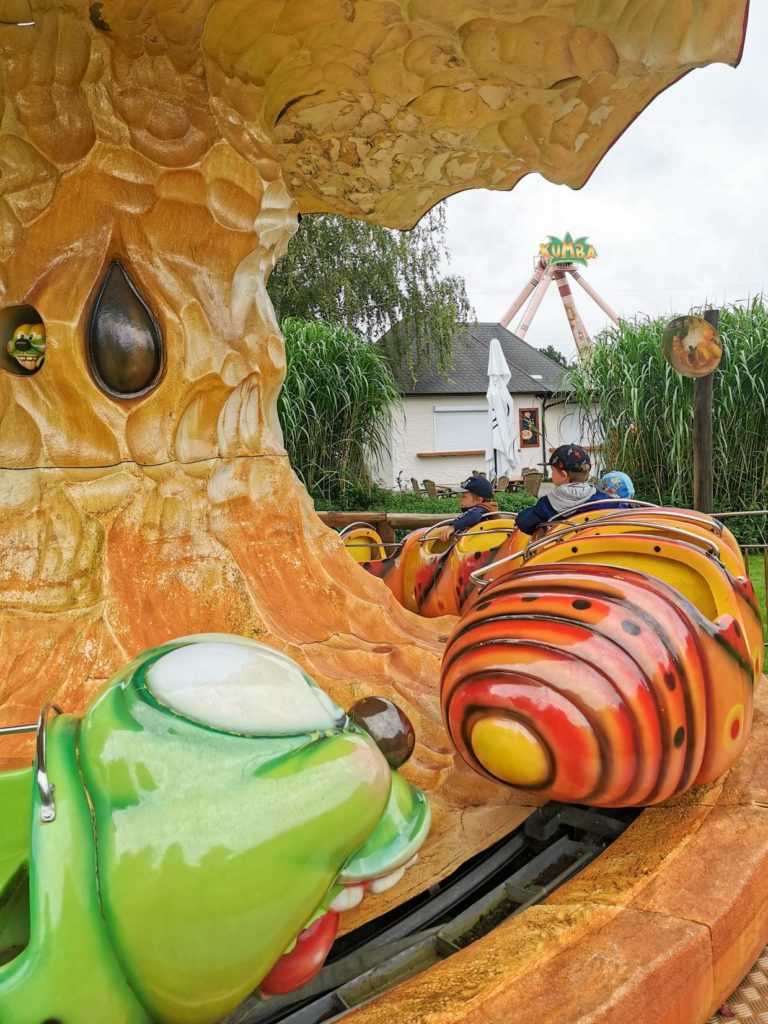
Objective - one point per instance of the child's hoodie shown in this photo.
(560, 499)
(473, 516)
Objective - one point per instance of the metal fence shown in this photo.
(755, 552)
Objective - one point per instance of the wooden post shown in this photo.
(702, 433)
(386, 532)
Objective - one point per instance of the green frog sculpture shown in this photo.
(27, 346)
(194, 837)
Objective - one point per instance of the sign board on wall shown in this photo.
(530, 428)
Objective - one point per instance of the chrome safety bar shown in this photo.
(585, 506)
(485, 533)
(486, 518)
(374, 544)
(561, 535)
(13, 730)
(633, 513)
(615, 518)
(475, 576)
(354, 526)
(45, 787)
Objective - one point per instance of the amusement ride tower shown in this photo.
(557, 259)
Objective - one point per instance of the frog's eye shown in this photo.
(242, 687)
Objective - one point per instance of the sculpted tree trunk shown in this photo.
(153, 159)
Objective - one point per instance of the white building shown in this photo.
(442, 430)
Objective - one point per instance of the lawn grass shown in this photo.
(757, 575)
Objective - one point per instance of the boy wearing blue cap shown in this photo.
(570, 475)
(476, 500)
(616, 485)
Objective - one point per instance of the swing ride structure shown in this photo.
(557, 261)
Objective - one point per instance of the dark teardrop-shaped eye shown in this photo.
(387, 725)
(125, 346)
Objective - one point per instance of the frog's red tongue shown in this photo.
(296, 968)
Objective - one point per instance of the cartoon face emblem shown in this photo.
(692, 346)
(27, 346)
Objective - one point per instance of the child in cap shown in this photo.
(570, 475)
(476, 500)
(616, 485)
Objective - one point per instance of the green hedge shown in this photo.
(377, 499)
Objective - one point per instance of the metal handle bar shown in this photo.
(352, 526)
(586, 505)
(474, 576)
(631, 517)
(560, 536)
(45, 787)
(435, 526)
(486, 533)
(13, 730)
(499, 512)
(485, 519)
(532, 548)
(660, 510)
(632, 514)
(374, 544)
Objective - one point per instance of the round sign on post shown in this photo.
(692, 346)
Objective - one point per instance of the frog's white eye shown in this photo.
(241, 687)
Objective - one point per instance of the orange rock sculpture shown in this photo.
(181, 140)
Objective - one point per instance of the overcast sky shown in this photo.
(677, 210)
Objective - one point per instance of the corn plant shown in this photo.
(335, 407)
(641, 411)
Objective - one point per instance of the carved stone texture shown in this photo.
(379, 109)
(180, 140)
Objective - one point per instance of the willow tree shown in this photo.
(375, 281)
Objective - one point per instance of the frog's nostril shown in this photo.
(387, 725)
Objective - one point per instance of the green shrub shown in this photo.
(378, 499)
(335, 406)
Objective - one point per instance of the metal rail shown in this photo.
(641, 510)
(355, 526)
(630, 517)
(551, 846)
(45, 787)
(486, 518)
(585, 506)
(568, 531)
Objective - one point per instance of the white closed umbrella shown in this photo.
(500, 457)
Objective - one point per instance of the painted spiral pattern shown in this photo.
(597, 683)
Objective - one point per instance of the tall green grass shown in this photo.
(642, 411)
(335, 407)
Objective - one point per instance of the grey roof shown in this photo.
(469, 373)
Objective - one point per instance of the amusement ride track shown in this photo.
(525, 867)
